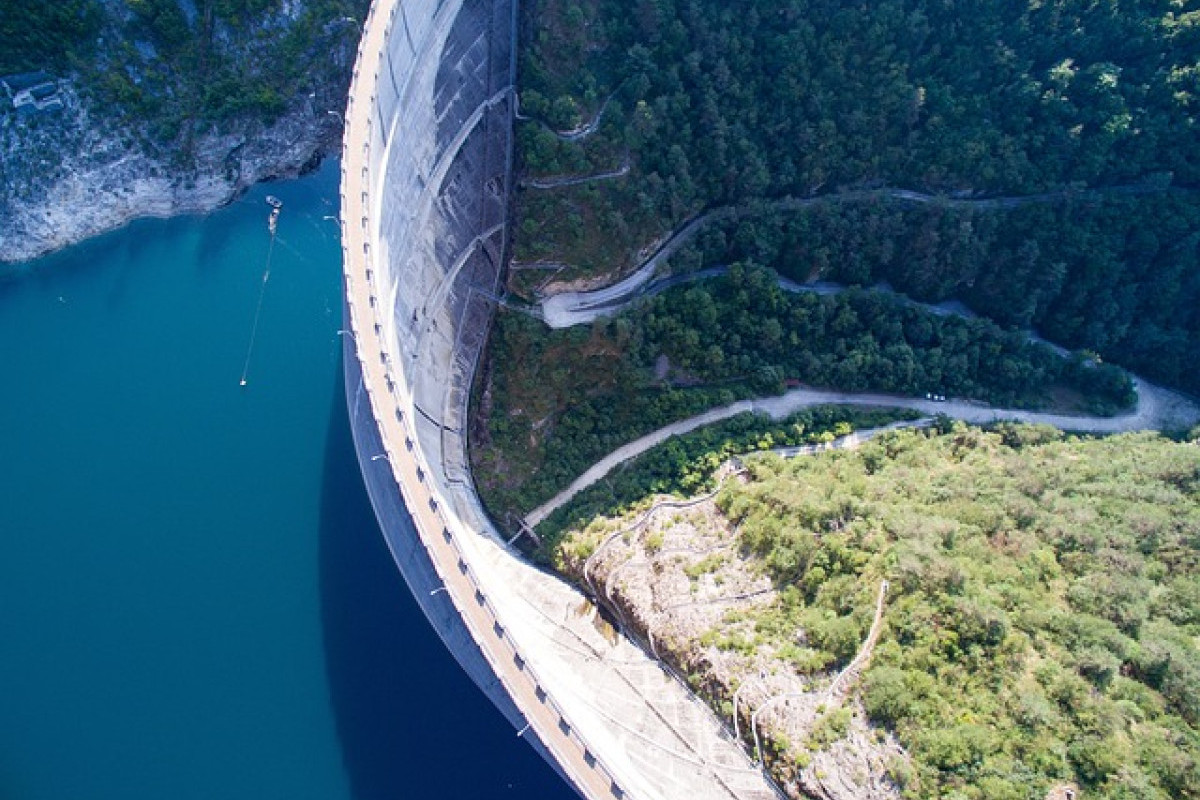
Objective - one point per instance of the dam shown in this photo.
(426, 177)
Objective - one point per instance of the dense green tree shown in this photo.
(557, 401)
(1001, 668)
(718, 104)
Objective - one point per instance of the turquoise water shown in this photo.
(194, 599)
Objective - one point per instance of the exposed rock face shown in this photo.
(171, 107)
(66, 176)
(677, 580)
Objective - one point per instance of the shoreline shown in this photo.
(104, 185)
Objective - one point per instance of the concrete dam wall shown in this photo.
(441, 148)
(426, 175)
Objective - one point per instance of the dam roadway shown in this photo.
(426, 170)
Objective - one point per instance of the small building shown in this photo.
(31, 92)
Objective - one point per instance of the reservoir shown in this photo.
(195, 600)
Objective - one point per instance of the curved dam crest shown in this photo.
(426, 175)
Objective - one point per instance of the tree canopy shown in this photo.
(1043, 610)
(555, 402)
(729, 104)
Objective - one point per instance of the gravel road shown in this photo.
(1157, 409)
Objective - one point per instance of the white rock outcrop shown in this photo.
(69, 175)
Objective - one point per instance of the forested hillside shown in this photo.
(49, 36)
(168, 69)
(1041, 623)
(1116, 274)
(553, 402)
(155, 107)
(1035, 160)
(715, 104)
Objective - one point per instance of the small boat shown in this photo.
(273, 220)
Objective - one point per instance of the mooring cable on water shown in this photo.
(272, 222)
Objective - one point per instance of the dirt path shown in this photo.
(837, 690)
(576, 180)
(1157, 408)
(588, 128)
(575, 134)
(579, 308)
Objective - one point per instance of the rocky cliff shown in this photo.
(163, 118)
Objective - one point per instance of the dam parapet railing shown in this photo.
(426, 166)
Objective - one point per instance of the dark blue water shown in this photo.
(195, 601)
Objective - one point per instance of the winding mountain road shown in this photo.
(576, 308)
(1157, 408)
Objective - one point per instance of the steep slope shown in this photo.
(1039, 623)
(162, 107)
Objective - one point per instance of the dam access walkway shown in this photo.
(612, 720)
